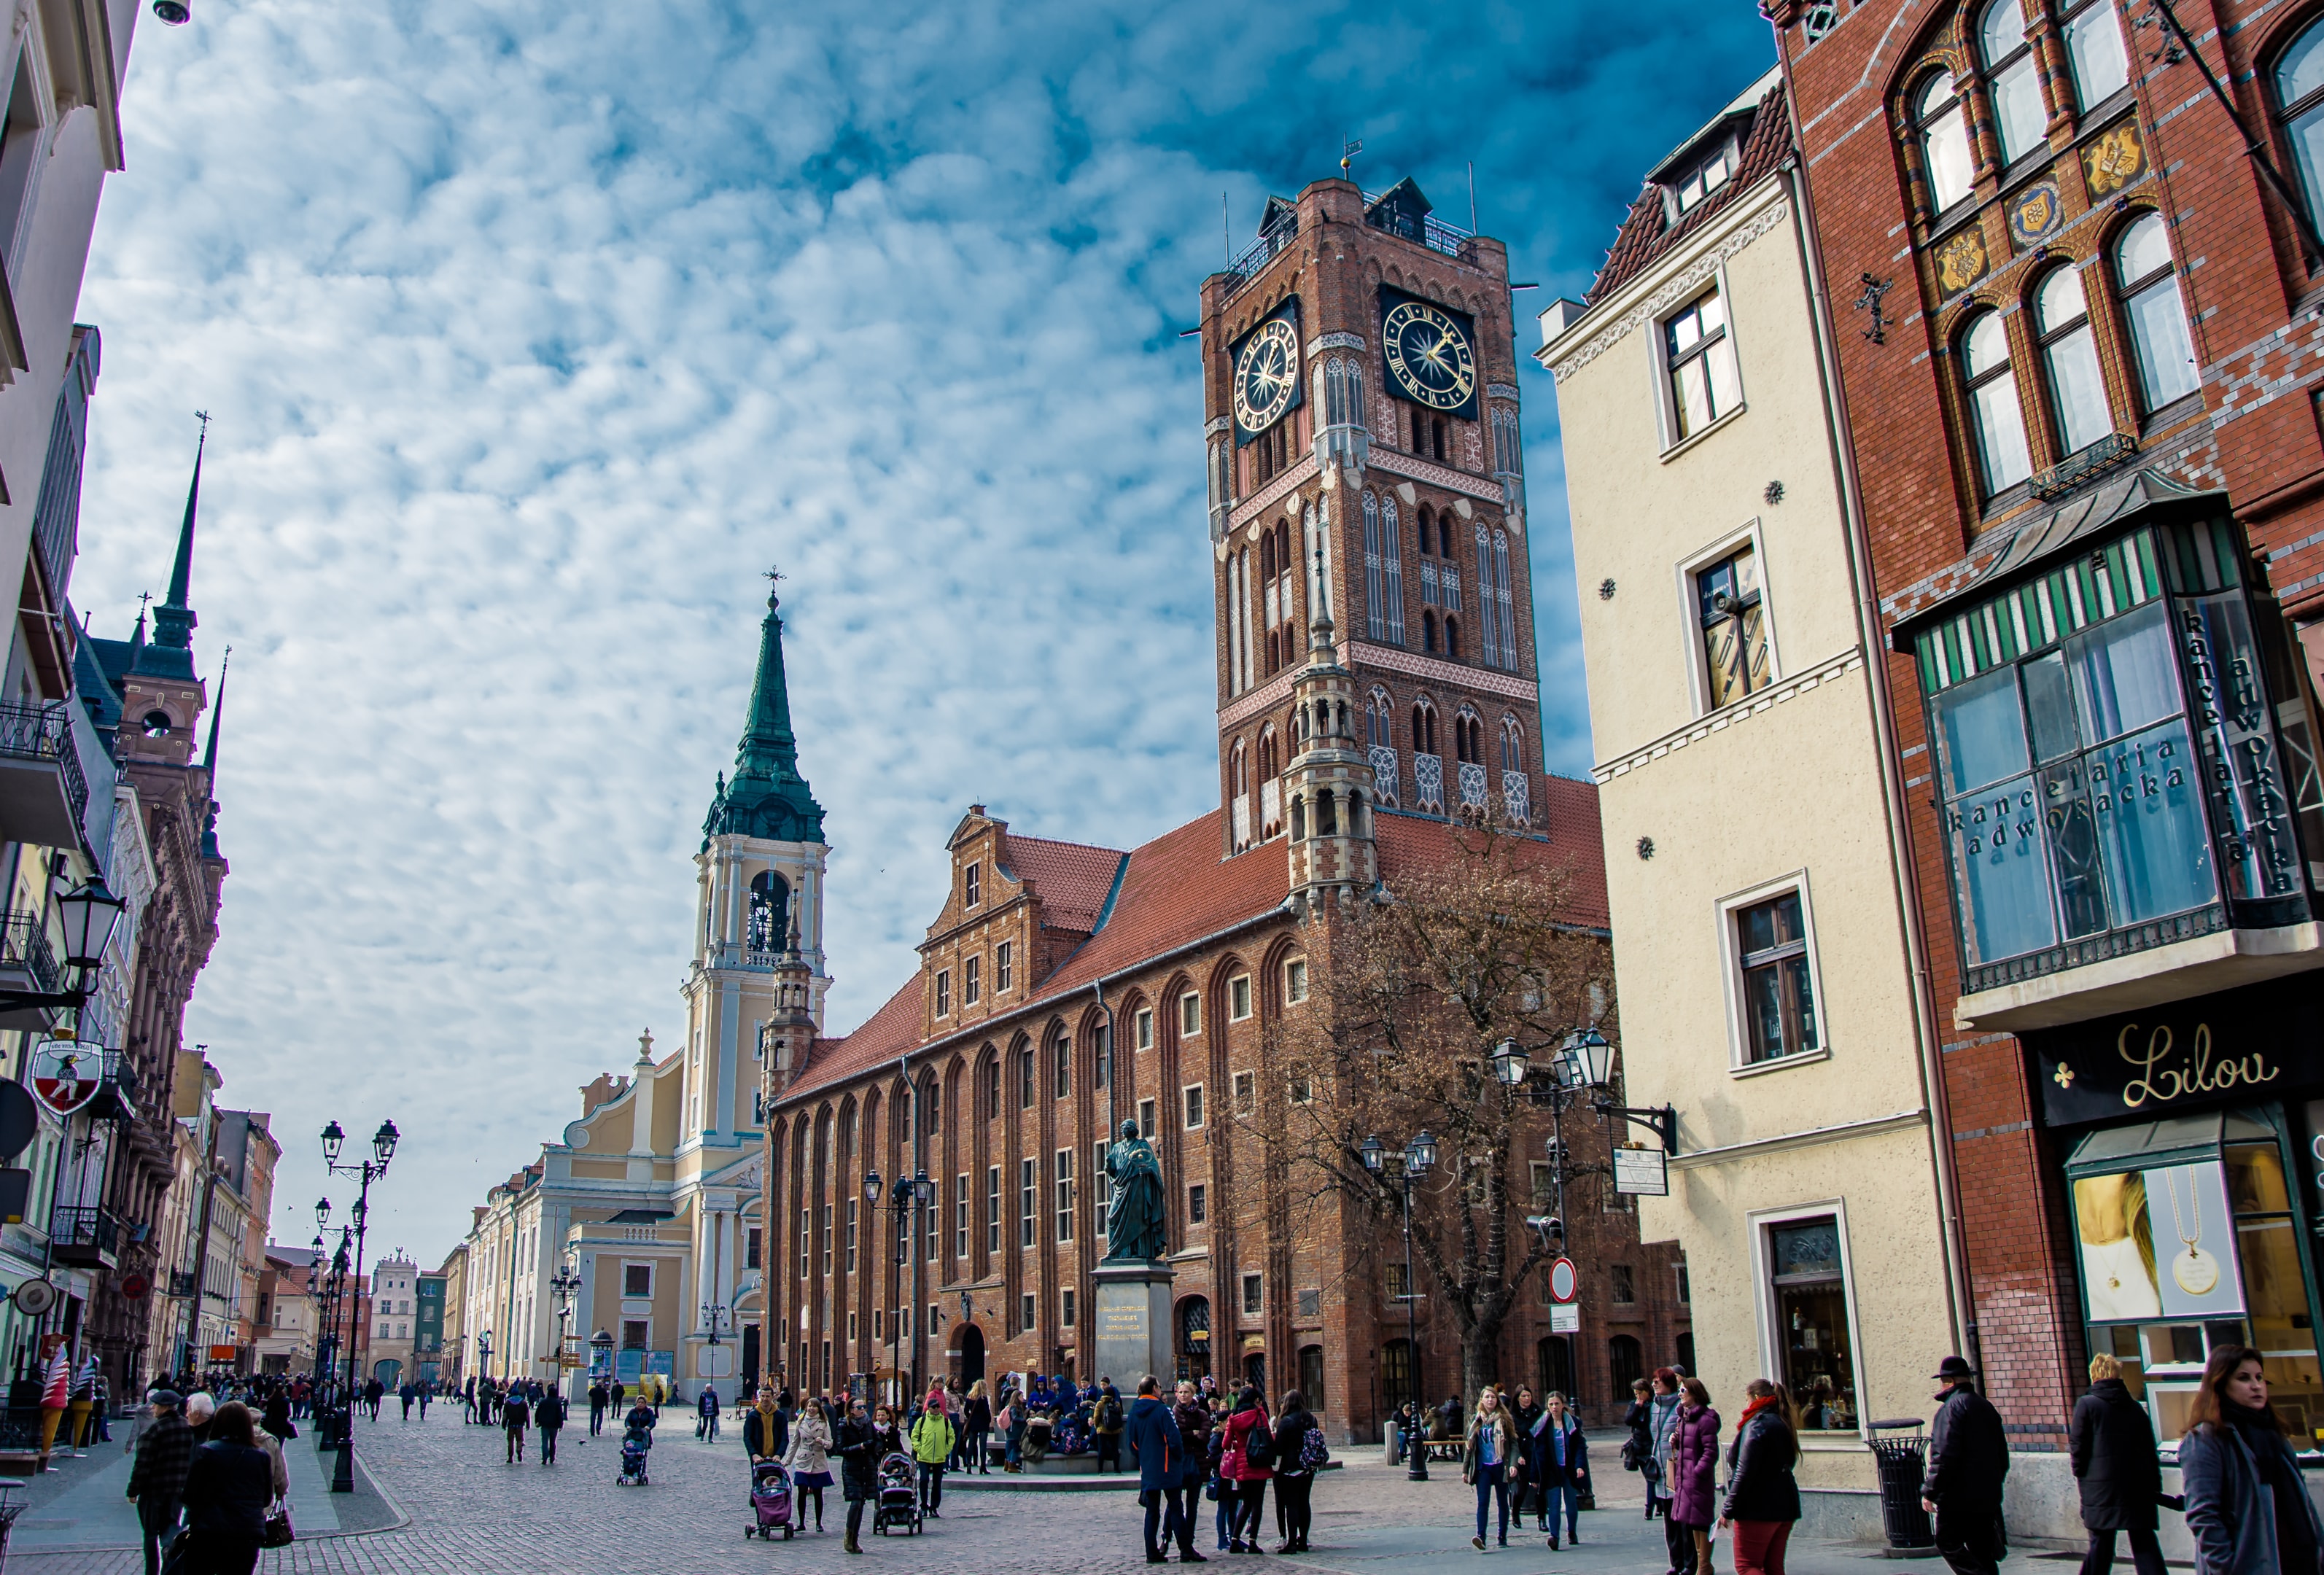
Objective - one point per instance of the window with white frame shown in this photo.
(1061, 1053)
(1246, 1092)
(969, 984)
(1700, 355)
(1812, 1331)
(972, 884)
(1239, 997)
(992, 1208)
(1198, 1204)
(2070, 359)
(850, 1235)
(1145, 1118)
(960, 1215)
(1004, 972)
(1294, 980)
(1065, 1309)
(1190, 1015)
(2148, 285)
(1099, 1177)
(944, 992)
(1774, 973)
(1145, 1028)
(1194, 1095)
(1941, 116)
(1026, 1313)
(2013, 79)
(1062, 1179)
(1028, 1189)
(2000, 419)
(2094, 49)
(1731, 608)
(1254, 1292)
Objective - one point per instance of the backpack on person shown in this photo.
(1109, 1415)
(1313, 1452)
(1258, 1446)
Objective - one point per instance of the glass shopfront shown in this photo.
(2192, 1138)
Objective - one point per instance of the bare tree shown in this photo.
(1412, 995)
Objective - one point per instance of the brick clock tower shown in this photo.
(1360, 390)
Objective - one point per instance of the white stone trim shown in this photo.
(1691, 277)
(1435, 671)
(1323, 342)
(1275, 691)
(1428, 472)
(1701, 728)
(1302, 471)
(1502, 391)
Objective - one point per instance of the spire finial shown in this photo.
(773, 576)
(217, 710)
(174, 620)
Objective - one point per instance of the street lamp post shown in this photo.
(382, 1147)
(1414, 1163)
(564, 1285)
(903, 1201)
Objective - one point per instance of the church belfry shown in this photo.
(1361, 390)
(757, 973)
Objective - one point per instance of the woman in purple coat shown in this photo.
(1694, 1461)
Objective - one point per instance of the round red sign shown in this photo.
(134, 1286)
(1563, 1281)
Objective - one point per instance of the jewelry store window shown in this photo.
(2115, 775)
(2189, 1238)
(1808, 1287)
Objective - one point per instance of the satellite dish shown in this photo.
(35, 1296)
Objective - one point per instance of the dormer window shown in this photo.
(1705, 178)
(974, 870)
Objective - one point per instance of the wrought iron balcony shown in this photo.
(26, 963)
(1263, 250)
(1428, 229)
(116, 1093)
(2108, 452)
(43, 792)
(88, 1236)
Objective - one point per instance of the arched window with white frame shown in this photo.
(2000, 420)
(2148, 287)
(1946, 158)
(2069, 360)
(2094, 49)
(1517, 778)
(2298, 80)
(2012, 80)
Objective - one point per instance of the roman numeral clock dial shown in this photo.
(1266, 376)
(1428, 356)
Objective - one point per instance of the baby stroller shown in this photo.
(635, 1444)
(771, 1499)
(900, 1497)
(1037, 1437)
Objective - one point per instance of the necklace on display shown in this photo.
(2196, 1271)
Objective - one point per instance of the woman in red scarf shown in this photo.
(1762, 1498)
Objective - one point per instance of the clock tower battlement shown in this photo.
(1361, 396)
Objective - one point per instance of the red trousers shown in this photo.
(1759, 1546)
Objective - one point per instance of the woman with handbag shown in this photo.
(1694, 1463)
(1246, 1464)
(229, 1488)
(1638, 1449)
(1485, 1462)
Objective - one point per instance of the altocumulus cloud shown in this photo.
(535, 332)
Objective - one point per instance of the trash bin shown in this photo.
(1900, 1450)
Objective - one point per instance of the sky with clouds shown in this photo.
(533, 332)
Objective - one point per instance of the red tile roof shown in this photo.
(1177, 891)
(1645, 234)
(1072, 879)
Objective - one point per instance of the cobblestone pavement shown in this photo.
(470, 1512)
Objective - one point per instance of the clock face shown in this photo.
(1266, 376)
(1428, 356)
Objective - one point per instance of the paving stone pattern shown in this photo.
(467, 1511)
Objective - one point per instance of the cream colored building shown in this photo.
(1764, 960)
(395, 1298)
(652, 1198)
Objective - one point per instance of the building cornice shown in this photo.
(1250, 702)
(1437, 671)
(1702, 727)
(1274, 492)
(1412, 467)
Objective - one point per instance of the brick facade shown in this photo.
(1905, 281)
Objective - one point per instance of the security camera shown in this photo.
(175, 12)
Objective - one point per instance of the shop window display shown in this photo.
(2188, 1240)
(1811, 1304)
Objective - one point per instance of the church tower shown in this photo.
(1361, 386)
(161, 700)
(758, 970)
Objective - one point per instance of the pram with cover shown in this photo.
(900, 1497)
(635, 1445)
(771, 1499)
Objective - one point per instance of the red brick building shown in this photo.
(2076, 329)
(1363, 446)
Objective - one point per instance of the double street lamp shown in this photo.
(909, 1193)
(564, 1285)
(1418, 1159)
(383, 1149)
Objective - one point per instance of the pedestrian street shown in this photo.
(453, 1505)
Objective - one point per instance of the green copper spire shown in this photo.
(768, 797)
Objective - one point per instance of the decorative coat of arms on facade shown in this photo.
(1961, 261)
(2113, 160)
(66, 1073)
(2035, 214)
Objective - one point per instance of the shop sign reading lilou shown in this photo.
(2259, 1042)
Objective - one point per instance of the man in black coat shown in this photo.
(598, 1398)
(856, 1445)
(548, 1415)
(1968, 1458)
(1160, 1457)
(2112, 1445)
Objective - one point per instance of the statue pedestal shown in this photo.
(1133, 1326)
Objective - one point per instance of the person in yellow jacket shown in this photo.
(933, 1436)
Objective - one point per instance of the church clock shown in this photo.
(1267, 375)
(1429, 360)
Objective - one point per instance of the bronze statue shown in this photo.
(1136, 1228)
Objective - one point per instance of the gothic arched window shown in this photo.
(1424, 728)
(1392, 568)
(1428, 631)
(1375, 586)
(2149, 290)
(2000, 419)
(2069, 359)
(1453, 638)
(1512, 745)
(1376, 714)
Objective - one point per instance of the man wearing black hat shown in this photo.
(1968, 1458)
(157, 1481)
